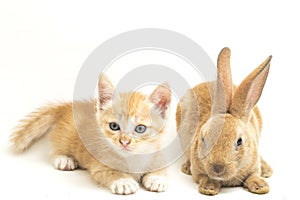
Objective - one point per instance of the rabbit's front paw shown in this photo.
(257, 185)
(208, 186)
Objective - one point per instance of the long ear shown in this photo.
(223, 89)
(249, 91)
(105, 91)
(161, 98)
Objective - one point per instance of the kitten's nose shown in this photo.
(124, 140)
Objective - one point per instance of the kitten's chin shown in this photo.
(125, 152)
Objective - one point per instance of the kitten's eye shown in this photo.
(114, 126)
(239, 142)
(140, 128)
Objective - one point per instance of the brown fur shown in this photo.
(212, 117)
(73, 129)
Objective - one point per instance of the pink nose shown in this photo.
(124, 142)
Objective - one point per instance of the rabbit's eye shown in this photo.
(204, 143)
(203, 140)
(239, 142)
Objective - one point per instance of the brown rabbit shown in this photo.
(224, 125)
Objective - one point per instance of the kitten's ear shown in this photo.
(105, 91)
(161, 97)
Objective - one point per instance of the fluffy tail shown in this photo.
(34, 126)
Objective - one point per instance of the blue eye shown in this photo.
(140, 129)
(114, 126)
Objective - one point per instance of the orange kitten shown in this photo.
(114, 137)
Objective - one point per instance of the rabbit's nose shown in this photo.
(218, 169)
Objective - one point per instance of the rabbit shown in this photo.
(220, 125)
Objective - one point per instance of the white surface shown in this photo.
(43, 45)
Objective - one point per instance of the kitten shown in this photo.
(115, 137)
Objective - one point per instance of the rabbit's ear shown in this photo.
(223, 91)
(249, 91)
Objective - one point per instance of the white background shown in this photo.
(44, 44)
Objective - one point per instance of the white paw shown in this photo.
(155, 183)
(65, 163)
(124, 186)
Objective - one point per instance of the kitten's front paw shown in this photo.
(155, 183)
(65, 163)
(124, 186)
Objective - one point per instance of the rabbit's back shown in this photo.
(195, 105)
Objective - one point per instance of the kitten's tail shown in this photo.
(34, 126)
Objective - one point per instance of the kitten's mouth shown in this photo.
(125, 148)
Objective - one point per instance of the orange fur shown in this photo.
(213, 117)
(73, 129)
